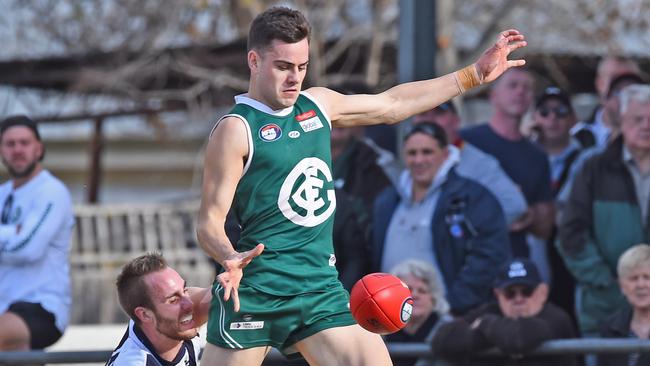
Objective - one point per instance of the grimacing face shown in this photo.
(278, 72)
(173, 308)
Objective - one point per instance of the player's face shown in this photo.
(513, 93)
(636, 287)
(173, 308)
(555, 119)
(279, 71)
(422, 300)
(635, 126)
(423, 157)
(20, 150)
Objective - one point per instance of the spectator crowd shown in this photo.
(522, 229)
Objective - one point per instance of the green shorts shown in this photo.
(277, 321)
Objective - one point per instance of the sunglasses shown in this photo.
(560, 111)
(511, 292)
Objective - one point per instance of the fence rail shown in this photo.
(397, 350)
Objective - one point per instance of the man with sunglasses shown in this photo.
(35, 229)
(552, 122)
(516, 324)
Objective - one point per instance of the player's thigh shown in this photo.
(218, 356)
(344, 346)
(15, 332)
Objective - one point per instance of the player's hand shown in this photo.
(233, 272)
(494, 61)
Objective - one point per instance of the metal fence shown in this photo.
(397, 350)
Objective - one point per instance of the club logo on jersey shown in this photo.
(311, 124)
(306, 115)
(294, 134)
(407, 310)
(303, 199)
(270, 132)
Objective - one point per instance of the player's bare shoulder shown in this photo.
(327, 98)
(231, 132)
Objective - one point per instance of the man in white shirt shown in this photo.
(35, 227)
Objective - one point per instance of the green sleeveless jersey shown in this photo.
(285, 198)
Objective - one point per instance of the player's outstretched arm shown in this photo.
(223, 167)
(405, 100)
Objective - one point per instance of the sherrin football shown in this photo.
(381, 303)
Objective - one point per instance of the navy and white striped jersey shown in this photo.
(136, 350)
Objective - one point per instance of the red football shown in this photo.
(381, 303)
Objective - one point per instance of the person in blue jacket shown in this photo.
(437, 216)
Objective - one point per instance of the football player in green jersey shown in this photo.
(269, 159)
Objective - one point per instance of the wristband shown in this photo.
(467, 78)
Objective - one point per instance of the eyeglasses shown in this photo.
(6, 209)
(560, 111)
(511, 292)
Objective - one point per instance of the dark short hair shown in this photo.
(280, 23)
(21, 120)
(430, 129)
(617, 82)
(131, 288)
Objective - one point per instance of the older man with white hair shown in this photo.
(607, 211)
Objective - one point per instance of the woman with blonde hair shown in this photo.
(631, 321)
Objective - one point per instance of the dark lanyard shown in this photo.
(6, 209)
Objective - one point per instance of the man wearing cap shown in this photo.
(35, 227)
(475, 164)
(519, 322)
(552, 120)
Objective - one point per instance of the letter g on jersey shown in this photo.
(307, 195)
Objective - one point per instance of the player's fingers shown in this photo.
(226, 292)
(235, 299)
(249, 255)
(516, 38)
(509, 32)
(514, 63)
(516, 45)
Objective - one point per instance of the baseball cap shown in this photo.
(19, 120)
(555, 93)
(519, 271)
(629, 78)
